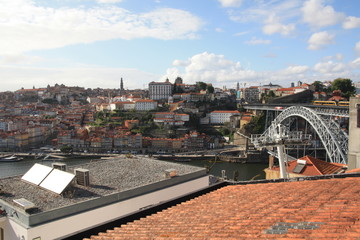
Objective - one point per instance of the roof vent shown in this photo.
(299, 166)
(170, 173)
(25, 204)
(60, 166)
(82, 176)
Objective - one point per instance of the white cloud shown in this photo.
(240, 33)
(257, 41)
(211, 68)
(270, 55)
(87, 76)
(26, 26)
(109, 1)
(216, 69)
(180, 63)
(231, 3)
(355, 63)
(273, 25)
(19, 59)
(259, 11)
(357, 48)
(337, 57)
(316, 14)
(319, 40)
(219, 30)
(351, 22)
(295, 70)
(330, 67)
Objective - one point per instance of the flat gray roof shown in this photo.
(107, 177)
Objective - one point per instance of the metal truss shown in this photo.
(335, 140)
(332, 112)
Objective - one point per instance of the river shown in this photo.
(245, 171)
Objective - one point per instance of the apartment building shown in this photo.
(252, 94)
(160, 90)
(171, 118)
(145, 105)
(222, 116)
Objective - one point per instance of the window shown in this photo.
(358, 115)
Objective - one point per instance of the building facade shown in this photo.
(160, 90)
(252, 94)
(220, 117)
(145, 105)
(354, 132)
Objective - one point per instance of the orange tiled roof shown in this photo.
(315, 167)
(317, 209)
(285, 89)
(145, 100)
(355, 170)
(225, 111)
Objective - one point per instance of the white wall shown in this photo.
(81, 222)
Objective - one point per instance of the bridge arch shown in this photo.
(334, 139)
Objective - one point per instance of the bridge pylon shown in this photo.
(279, 136)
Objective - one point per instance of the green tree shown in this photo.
(345, 85)
(201, 85)
(256, 125)
(66, 149)
(210, 89)
(319, 86)
(179, 79)
(271, 94)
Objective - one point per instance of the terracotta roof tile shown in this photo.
(317, 209)
(315, 167)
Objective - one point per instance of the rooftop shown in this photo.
(107, 177)
(314, 167)
(309, 209)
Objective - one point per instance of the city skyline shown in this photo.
(223, 42)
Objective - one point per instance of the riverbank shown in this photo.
(245, 171)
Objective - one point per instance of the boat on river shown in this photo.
(183, 160)
(11, 158)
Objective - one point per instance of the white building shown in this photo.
(42, 211)
(145, 105)
(220, 116)
(160, 90)
(122, 106)
(171, 118)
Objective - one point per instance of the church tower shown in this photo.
(121, 86)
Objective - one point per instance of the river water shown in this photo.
(245, 171)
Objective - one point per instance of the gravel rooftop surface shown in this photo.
(106, 177)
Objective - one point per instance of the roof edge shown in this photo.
(295, 179)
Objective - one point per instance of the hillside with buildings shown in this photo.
(171, 117)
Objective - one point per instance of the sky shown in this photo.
(95, 43)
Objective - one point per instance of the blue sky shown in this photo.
(94, 43)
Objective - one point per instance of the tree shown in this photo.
(344, 85)
(256, 125)
(66, 149)
(201, 85)
(210, 89)
(319, 86)
(179, 80)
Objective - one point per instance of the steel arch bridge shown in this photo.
(334, 139)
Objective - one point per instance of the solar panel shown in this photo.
(57, 181)
(36, 174)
